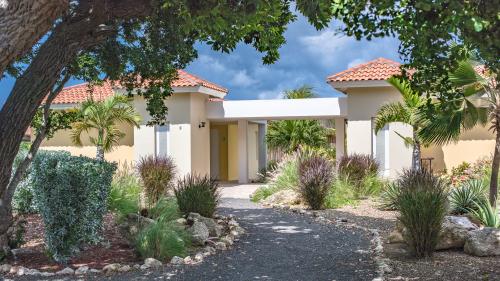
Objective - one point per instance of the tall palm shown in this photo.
(407, 112)
(103, 118)
(477, 87)
(289, 135)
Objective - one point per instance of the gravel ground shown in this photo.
(444, 266)
(277, 246)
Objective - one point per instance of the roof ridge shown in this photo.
(361, 65)
(196, 77)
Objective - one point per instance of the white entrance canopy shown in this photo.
(278, 109)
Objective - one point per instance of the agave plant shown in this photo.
(466, 197)
(389, 197)
(486, 214)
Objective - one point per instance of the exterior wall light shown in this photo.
(202, 124)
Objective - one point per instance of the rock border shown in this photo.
(234, 230)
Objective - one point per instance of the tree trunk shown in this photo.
(23, 23)
(494, 170)
(65, 42)
(100, 153)
(416, 162)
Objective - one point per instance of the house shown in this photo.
(206, 134)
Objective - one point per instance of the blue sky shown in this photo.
(308, 57)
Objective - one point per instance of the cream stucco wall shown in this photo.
(363, 104)
(232, 152)
(121, 154)
(200, 137)
(472, 145)
(253, 151)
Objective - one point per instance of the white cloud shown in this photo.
(356, 62)
(242, 79)
(206, 61)
(326, 46)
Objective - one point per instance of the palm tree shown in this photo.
(103, 117)
(406, 111)
(289, 135)
(463, 113)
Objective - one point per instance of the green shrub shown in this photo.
(162, 240)
(371, 185)
(72, 195)
(486, 214)
(389, 197)
(355, 167)
(125, 194)
(340, 194)
(315, 178)
(197, 194)
(157, 174)
(23, 201)
(262, 193)
(465, 198)
(422, 205)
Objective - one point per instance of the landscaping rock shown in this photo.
(82, 270)
(238, 229)
(93, 270)
(132, 224)
(21, 270)
(177, 260)
(227, 240)
(210, 250)
(125, 268)
(181, 221)
(65, 271)
(483, 242)
(395, 237)
(455, 230)
(283, 197)
(47, 274)
(152, 263)
(198, 257)
(214, 229)
(199, 233)
(5, 268)
(111, 268)
(188, 260)
(13, 270)
(220, 246)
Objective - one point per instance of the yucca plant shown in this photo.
(464, 198)
(315, 178)
(486, 214)
(157, 174)
(389, 197)
(198, 194)
(422, 205)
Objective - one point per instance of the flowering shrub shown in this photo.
(467, 171)
(71, 193)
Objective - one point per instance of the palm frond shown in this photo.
(391, 112)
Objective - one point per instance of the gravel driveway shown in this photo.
(277, 246)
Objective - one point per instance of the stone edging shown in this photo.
(224, 243)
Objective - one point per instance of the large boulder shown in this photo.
(483, 242)
(214, 229)
(454, 232)
(283, 197)
(199, 232)
(132, 224)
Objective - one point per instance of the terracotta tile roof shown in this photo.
(79, 93)
(379, 69)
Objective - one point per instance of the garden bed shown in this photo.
(113, 249)
(445, 265)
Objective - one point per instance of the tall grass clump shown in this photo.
(466, 197)
(164, 238)
(315, 178)
(197, 194)
(356, 167)
(340, 194)
(422, 204)
(157, 174)
(125, 194)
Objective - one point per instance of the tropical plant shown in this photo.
(315, 178)
(341, 193)
(407, 112)
(453, 116)
(103, 118)
(486, 214)
(197, 194)
(389, 197)
(355, 167)
(164, 238)
(125, 194)
(465, 198)
(289, 135)
(422, 205)
(157, 174)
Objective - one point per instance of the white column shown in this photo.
(262, 147)
(339, 137)
(242, 151)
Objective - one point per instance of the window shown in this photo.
(162, 134)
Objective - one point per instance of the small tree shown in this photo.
(104, 117)
(406, 112)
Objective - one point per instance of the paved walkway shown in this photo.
(277, 246)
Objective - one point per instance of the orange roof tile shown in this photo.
(379, 69)
(79, 93)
